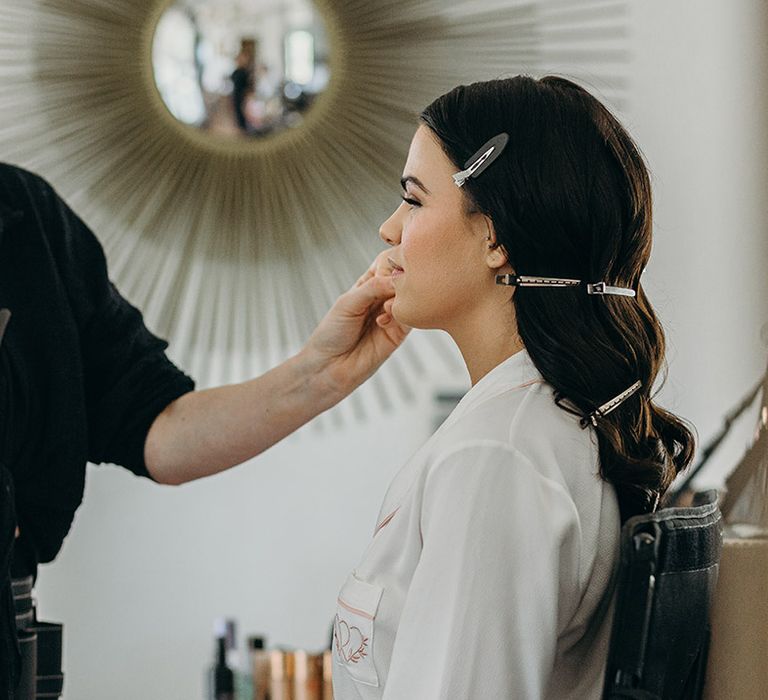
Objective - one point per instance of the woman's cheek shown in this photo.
(412, 247)
(405, 250)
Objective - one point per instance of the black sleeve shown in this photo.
(9, 652)
(128, 379)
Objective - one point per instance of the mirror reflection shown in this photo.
(240, 68)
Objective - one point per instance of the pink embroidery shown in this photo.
(533, 381)
(351, 643)
(386, 521)
(362, 613)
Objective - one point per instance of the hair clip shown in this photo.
(607, 407)
(603, 288)
(534, 281)
(488, 153)
(599, 288)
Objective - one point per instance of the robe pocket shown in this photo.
(353, 629)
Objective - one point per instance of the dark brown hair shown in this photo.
(570, 196)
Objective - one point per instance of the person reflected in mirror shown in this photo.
(242, 86)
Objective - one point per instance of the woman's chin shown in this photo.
(398, 313)
(401, 315)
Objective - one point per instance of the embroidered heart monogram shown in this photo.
(351, 643)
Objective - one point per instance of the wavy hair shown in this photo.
(571, 197)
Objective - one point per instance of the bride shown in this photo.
(523, 232)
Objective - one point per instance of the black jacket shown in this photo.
(81, 379)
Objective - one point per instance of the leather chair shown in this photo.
(666, 580)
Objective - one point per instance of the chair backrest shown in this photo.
(666, 579)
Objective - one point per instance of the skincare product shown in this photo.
(222, 679)
(259, 662)
(327, 675)
(308, 676)
(281, 668)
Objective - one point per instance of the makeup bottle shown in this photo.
(327, 675)
(308, 676)
(281, 667)
(259, 663)
(221, 677)
(237, 662)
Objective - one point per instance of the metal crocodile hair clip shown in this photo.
(488, 153)
(598, 288)
(608, 406)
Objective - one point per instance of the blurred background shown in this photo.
(236, 157)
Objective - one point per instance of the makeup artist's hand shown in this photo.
(358, 333)
(207, 431)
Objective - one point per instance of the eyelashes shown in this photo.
(412, 202)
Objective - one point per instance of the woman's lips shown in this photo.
(396, 269)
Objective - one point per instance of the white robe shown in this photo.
(490, 574)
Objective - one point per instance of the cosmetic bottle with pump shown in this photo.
(238, 663)
(221, 677)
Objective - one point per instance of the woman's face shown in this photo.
(447, 267)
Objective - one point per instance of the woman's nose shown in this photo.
(389, 231)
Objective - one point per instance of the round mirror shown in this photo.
(240, 68)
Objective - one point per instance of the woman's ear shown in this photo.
(496, 256)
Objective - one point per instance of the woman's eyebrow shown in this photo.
(415, 181)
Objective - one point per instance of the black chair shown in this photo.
(666, 579)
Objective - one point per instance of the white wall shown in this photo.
(699, 113)
(147, 568)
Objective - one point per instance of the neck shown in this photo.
(486, 338)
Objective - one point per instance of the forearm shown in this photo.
(206, 432)
(209, 431)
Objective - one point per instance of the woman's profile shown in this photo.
(524, 231)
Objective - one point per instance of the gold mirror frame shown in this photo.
(234, 250)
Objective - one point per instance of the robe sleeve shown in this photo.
(484, 608)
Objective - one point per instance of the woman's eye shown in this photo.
(412, 202)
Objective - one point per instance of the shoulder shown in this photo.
(545, 443)
(10, 172)
(485, 474)
(28, 202)
(482, 455)
(34, 210)
(528, 421)
(19, 187)
(542, 417)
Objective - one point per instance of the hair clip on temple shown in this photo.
(488, 153)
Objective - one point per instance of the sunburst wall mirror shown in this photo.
(236, 157)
